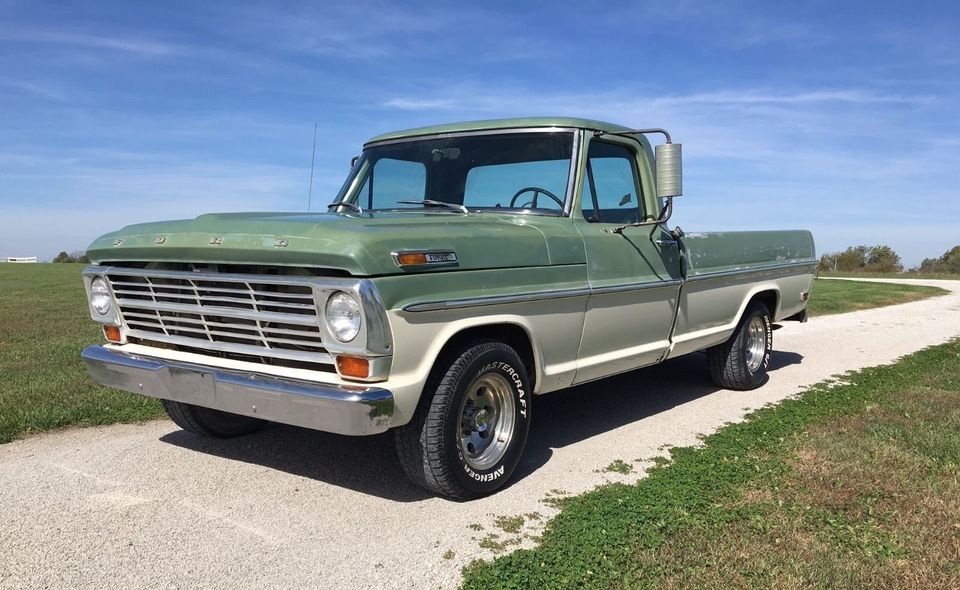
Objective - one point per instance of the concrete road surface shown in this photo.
(150, 506)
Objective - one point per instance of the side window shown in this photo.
(612, 191)
(391, 181)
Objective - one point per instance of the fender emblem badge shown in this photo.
(160, 240)
(421, 258)
(278, 243)
(118, 242)
(216, 240)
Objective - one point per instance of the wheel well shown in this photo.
(510, 334)
(768, 298)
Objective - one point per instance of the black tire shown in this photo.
(208, 422)
(729, 365)
(430, 447)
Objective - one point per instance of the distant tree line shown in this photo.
(862, 259)
(949, 262)
(76, 256)
(883, 259)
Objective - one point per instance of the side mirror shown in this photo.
(353, 161)
(669, 170)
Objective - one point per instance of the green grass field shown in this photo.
(851, 485)
(833, 296)
(44, 324)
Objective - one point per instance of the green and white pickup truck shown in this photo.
(461, 271)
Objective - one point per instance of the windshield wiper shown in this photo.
(459, 208)
(353, 206)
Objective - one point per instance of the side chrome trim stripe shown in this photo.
(495, 300)
(760, 270)
(566, 293)
(636, 287)
(539, 296)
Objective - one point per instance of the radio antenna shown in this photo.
(313, 157)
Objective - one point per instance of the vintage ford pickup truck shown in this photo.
(461, 271)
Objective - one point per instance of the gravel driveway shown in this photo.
(147, 505)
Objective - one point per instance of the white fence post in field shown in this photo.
(22, 259)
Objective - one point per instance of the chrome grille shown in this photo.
(272, 318)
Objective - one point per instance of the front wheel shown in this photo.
(470, 428)
(741, 362)
(210, 422)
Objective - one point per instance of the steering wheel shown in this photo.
(536, 190)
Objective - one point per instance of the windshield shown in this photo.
(515, 171)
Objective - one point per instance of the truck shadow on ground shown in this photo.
(578, 413)
(369, 464)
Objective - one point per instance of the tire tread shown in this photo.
(421, 446)
(727, 368)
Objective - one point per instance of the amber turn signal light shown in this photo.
(411, 258)
(112, 333)
(351, 366)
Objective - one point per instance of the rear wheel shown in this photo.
(209, 422)
(470, 428)
(741, 362)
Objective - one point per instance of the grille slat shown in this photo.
(273, 319)
(192, 299)
(215, 310)
(185, 285)
(307, 297)
(310, 357)
(297, 343)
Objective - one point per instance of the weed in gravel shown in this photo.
(619, 466)
(508, 524)
(533, 516)
(495, 545)
(555, 498)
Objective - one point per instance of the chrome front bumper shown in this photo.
(332, 408)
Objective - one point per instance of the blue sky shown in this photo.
(841, 117)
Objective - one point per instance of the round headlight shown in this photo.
(343, 316)
(100, 296)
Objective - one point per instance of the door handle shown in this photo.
(671, 243)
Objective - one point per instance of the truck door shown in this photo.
(634, 276)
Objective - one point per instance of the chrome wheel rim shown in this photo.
(487, 416)
(756, 343)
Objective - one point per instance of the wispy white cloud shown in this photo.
(487, 101)
(367, 30)
(38, 89)
(354, 30)
(717, 24)
(421, 104)
(140, 46)
(759, 32)
(853, 96)
(174, 182)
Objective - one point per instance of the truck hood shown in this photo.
(357, 244)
